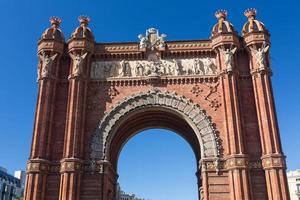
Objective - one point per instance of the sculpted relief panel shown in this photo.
(153, 67)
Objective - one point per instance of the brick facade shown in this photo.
(227, 116)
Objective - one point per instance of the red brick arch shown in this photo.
(155, 108)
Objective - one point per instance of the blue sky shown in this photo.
(24, 21)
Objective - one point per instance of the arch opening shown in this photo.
(149, 118)
(158, 163)
(153, 109)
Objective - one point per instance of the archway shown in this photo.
(158, 164)
(154, 109)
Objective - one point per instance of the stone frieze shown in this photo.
(155, 67)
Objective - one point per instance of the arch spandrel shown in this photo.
(192, 113)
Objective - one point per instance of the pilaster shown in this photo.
(273, 160)
(226, 45)
(50, 49)
(80, 48)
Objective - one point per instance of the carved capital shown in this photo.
(237, 162)
(37, 166)
(273, 161)
(71, 165)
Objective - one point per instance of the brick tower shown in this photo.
(215, 93)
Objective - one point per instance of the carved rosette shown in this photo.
(208, 134)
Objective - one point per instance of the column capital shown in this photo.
(37, 166)
(237, 161)
(71, 165)
(273, 161)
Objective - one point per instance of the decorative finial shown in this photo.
(221, 14)
(55, 21)
(84, 20)
(250, 13)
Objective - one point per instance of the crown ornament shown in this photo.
(250, 13)
(221, 14)
(55, 21)
(84, 20)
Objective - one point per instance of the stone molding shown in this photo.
(210, 144)
(230, 164)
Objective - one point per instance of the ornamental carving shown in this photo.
(228, 55)
(152, 40)
(211, 96)
(211, 142)
(260, 55)
(153, 67)
(112, 92)
(77, 63)
(45, 67)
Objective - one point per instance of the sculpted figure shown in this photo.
(209, 66)
(162, 67)
(47, 62)
(228, 57)
(198, 67)
(143, 41)
(161, 40)
(260, 55)
(126, 69)
(173, 68)
(154, 68)
(147, 70)
(96, 71)
(139, 69)
(77, 63)
(176, 69)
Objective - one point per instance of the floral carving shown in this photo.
(211, 96)
(112, 92)
(196, 90)
(215, 104)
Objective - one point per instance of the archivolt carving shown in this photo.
(210, 142)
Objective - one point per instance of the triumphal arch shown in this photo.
(216, 93)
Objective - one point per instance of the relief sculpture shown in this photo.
(153, 67)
